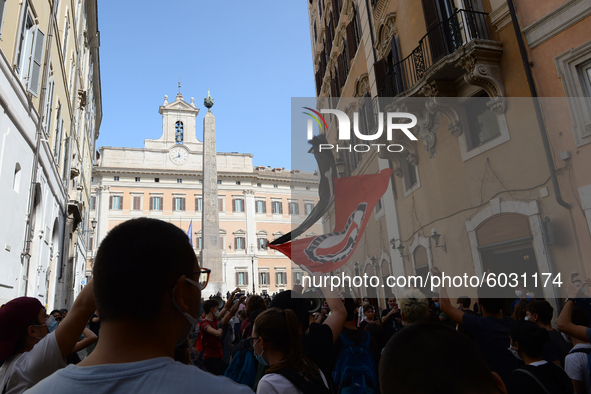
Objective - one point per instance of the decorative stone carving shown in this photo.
(386, 30)
(486, 73)
(428, 123)
(361, 85)
(380, 9)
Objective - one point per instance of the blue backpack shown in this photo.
(243, 368)
(355, 371)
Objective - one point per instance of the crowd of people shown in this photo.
(157, 334)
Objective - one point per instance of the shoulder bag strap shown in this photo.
(531, 375)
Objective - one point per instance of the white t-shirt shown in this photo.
(576, 366)
(157, 375)
(274, 383)
(24, 370)
(361, 314)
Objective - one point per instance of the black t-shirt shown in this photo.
(356, 336)
(561, 345)
(391, 325)
(317, 344)
(551, 376)
(491, 334)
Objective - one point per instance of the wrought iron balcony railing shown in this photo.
(442, 40)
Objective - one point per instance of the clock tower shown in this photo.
(178, 129)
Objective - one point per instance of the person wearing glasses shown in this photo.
(147, 287)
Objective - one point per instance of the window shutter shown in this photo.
(277, 278)
(335, 11)
(235, 243)
(196, 204)
(184, 201)
(221, 205)
(280, 207)
(136, 203)
(121, 202)
(431, 13)
(351, 42)
(35, 66)
(233, 205)
(318, 82)
(341, 70)
(110, 202)
(297, 208)
(397, 70)
(265, 206)
(246, 278)
(237, 280)
(380, 69)
(151, 203)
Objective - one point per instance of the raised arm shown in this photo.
(564, 322)
(444, 304)
(71, 327)
(89, 338)
(336, 320)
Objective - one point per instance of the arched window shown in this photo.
(17, 177)
(178, 134)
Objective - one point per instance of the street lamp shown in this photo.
(341, 164)
(252, 261)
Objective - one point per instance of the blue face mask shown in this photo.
(51, 324)
(260, 358)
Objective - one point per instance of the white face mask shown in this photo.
(518, 293)
(514, 352)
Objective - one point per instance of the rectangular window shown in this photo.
(482, 121)
(239, 243)
(66, 32)
(221, 204)
(275, 186)
(156, 180)
(137, 178)
(261, 206)
(115, 178)
(199, 242)
(308, 207)
(281, 278)
(59, 126)
(92, 203)
(2, 7)
(29, 55)
(297, 277)
(48, 101)
(237, 205)
(178, 203)
(409, 173)
(90, 244)
(137, 203)
(155, 203)
(242, 278)
(198, 204)
(219, 182)
(200, 181)
(262, 243)
(179, 181)
(379, 205)
(292, 187)
(294, 208)
(307, 187)
(259, 185)
(264, 278)
(116, 203)
(238, 183)
(277, 207)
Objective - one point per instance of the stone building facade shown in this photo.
(50, 96)
(164, 180)
(461, 199)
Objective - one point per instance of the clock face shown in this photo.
(178, 155)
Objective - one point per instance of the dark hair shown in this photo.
(488, 301)
(465, 301)
(207, 305)
(580, 317)
(281, 329)
(55, 311)
(297, 303)
(63, 311)
(543, 309)
(152, 252)
(254, 303)
(368, 307)
(529, 336)
(349, 307)
(461, 367)
(22, 336)
(520, 309)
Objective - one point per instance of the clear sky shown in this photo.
(254, 56)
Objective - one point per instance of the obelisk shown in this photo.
(211, 253)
